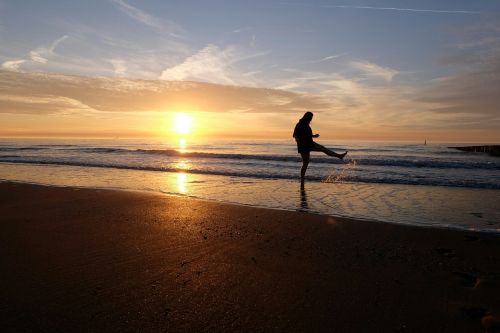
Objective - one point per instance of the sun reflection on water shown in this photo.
(181, 182)
(182, 165)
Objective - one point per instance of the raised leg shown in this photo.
(318, 147)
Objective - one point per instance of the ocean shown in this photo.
(409, 183)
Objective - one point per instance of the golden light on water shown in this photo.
(181, 182)
(182, 165)
(183, 123)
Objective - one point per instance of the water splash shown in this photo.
(338, 176)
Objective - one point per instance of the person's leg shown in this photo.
(305, 163)
(318, 147)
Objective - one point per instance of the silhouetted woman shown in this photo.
(305, 144)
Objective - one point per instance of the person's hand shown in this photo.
(316, 136)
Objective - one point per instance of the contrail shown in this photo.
(405, 9)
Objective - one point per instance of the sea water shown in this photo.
(409, 183)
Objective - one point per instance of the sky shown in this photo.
(369, 70)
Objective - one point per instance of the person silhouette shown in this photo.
(305, 144)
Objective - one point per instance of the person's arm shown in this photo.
(310, 133)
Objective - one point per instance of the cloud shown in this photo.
(353, 100)
(238, 30)
(473, 89)
(119, 67)
(48, 104)
(331, 57)
(360, 103)
(436, 11)
(87, 50)
(354, 75)
(13, 65)
(212, 64)
(38, 55)
(209, 64)
(42, 53)
(160, 26)
(472, 92)
(374, 70)
(39, 93)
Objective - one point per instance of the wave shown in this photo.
(385, 161)
(407, 161)
(100, 150)
(21, 148)
(347, 178)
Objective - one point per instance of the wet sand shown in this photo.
(100, 260)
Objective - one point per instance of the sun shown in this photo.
(183, 123)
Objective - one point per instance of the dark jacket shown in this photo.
(303, 136)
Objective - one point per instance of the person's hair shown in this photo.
(307, 117)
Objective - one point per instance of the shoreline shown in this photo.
(103, 260)
(178, 195)
(211, 173)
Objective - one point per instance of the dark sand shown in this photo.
(99, 260)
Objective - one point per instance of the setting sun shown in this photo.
(183, 123)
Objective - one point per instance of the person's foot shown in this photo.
(341, 156)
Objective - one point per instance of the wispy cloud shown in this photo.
(397, 9)
(13, 65)
(160, 26)
(89, 49)
(374, 70)
(119, 67)
(41, 54)
(437, 11)
(39, 93)
(238, 30)
(473, 89)
(349, 81)
(363, 95)
(38, 55)
(330, 57)
(212, 64)
(41, 105)
(209, 64)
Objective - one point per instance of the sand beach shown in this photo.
(99, 260)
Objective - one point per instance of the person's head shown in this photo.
(307, 117)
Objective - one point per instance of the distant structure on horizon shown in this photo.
(490, 149)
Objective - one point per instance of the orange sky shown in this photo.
(75, 106)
